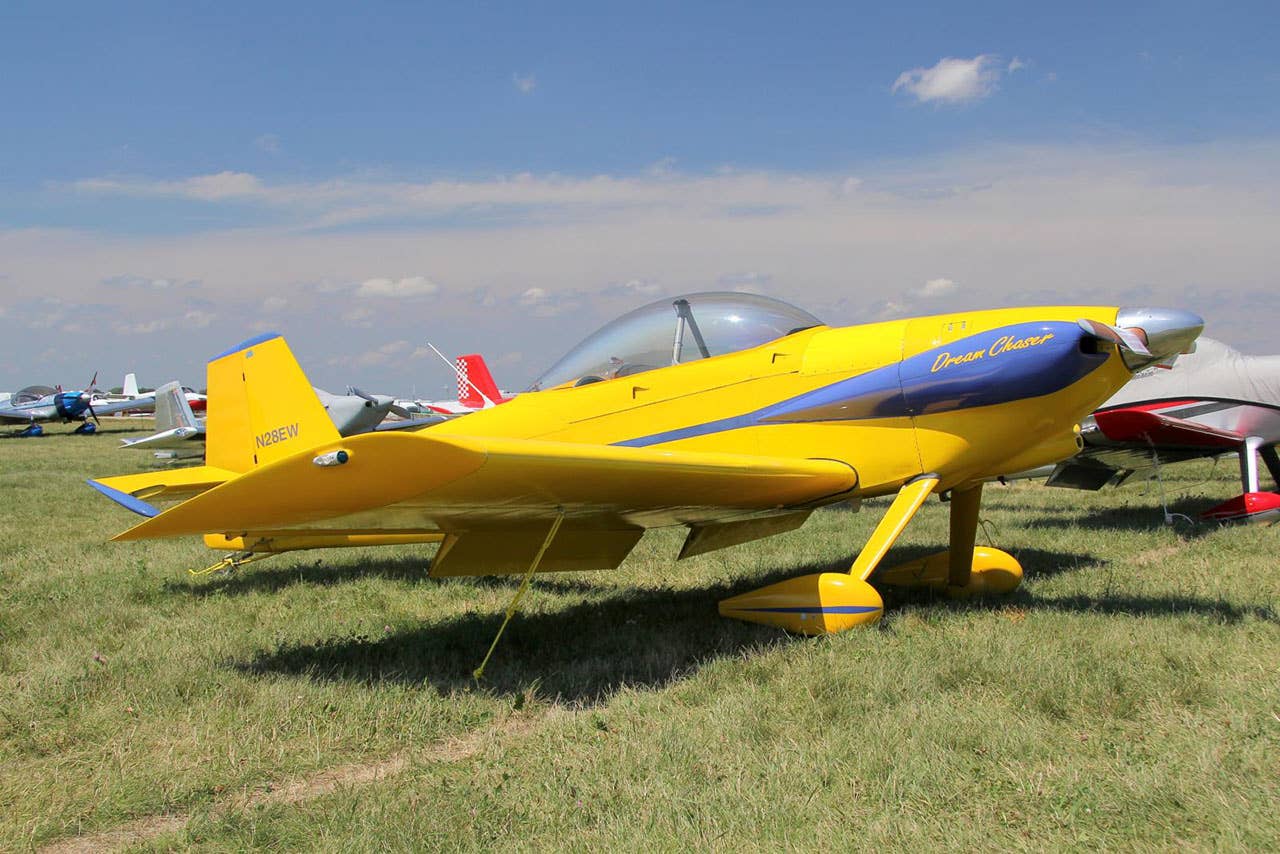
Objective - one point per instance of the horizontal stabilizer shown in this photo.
(167, 485)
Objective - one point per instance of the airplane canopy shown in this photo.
(676, 329)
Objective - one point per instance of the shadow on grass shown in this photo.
(1140, 517)
(321, 573)
(1150, 606)
(581, 654)
(644, 638)
(59, 434)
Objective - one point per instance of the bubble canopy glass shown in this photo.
(673, 330)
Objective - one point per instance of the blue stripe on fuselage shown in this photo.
(997, 366)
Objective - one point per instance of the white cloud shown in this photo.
(127, 280)
(546, 303)
(268, 142)
(951, 81)
(197, 319)
(383, 354)
(411, 286)
(747, 282)
(207, 188)
(274, 303)
(1015, 64)
(632, 288)
(937, 287)
(359, 315)
(1083, 223)
(526, 83)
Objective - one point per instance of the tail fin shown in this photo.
(172, 409)
(261, 406)
(130, 388)
(476, 388)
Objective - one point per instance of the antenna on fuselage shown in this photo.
(461, 375)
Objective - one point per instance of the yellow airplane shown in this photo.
(730, 414)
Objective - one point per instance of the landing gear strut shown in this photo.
(834, 601)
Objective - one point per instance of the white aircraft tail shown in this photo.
(130, 388)
(172, 409)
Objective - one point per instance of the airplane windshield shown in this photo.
(674, 330)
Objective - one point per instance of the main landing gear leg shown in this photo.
(962, 570)
(830, 602)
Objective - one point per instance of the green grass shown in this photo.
(1128, 695)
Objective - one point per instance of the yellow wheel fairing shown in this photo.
(817, 604)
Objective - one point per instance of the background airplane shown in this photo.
(30, 408)
(476, 388)
(145, 399)
(177, 426)
(1211, 402)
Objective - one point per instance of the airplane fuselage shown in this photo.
(963, 395)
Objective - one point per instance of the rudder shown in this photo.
(476, 387)
(261, 406)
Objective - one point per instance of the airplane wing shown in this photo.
(16, 416)
(494, 497)
(1140, 426)
(141, 404)
(1126, 441)
(411, 424)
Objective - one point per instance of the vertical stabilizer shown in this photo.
(172, 409)
(261, 406)
(476, 388)
(130, 388)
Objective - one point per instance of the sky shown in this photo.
(368, 179)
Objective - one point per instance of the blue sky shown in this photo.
(174, 177)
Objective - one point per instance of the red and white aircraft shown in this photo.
(1211, 402)
(476, 388)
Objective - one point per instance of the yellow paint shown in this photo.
(992, 571)
(494, 480)
(909, 499)
(823, 603)
(275, 542)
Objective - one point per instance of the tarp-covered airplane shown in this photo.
(1211, 402)
(730, 414)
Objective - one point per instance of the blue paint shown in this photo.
(969, 372)
(820, 609)
(125, 500)
(245, 345)
(69, 404)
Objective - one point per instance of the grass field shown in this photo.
(1128, 696)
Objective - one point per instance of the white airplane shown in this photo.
(1211, 402)
(145, 399)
